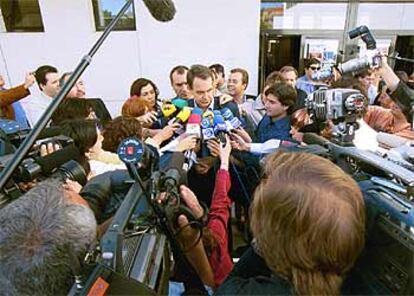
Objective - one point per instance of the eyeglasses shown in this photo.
(315, 68)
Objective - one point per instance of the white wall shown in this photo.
(204, 32)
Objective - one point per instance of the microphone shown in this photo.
(390, 141)
(234, 122)
(315, 139)
(193, 125)
(161, 10)
(208, 115)
(180, 103)
(220, 127)
(182, 116)
(168, 109)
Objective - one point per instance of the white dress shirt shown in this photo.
(35, 105)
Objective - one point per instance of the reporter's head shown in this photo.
(43, 237)
(308, 219)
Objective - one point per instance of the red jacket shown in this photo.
(218, 218)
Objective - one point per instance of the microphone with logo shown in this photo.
(232, 122)
(193, 129)
(220, 128)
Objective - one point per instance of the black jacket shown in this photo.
(404, 97)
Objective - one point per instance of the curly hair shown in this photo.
(135, 107)
(118, 129)
(308, 219)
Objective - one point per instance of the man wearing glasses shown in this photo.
(305, 82)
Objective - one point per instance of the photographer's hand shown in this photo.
(390, 78)
(49, 148)
(191, 201)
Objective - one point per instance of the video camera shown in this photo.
(62, 164)
(372, 59)
(385, 266)
(133, 256)
(341, 107)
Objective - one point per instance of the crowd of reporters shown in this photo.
(304, 217)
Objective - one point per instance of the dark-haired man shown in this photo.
(200, 82)
(279, 104)
(178, 79)
(47, 78)
(306, 83)
(237, 84)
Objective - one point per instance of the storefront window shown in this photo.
(386, 16)
(305, 16)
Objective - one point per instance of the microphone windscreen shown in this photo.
(208, 114)
(390, 141)
(218, 119)
(168, 109)
(197, 110)
(227, 114)
(205, 123)
(161, 10)
(194, 119)
(54, 160)
(312, 138)
(217, 113)
(184, 114)
(180, 103)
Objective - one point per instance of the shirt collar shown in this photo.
(210, 107)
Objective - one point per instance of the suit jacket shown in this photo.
(8, 97)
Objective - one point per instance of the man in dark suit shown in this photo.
(201, 177)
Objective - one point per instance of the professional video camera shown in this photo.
(372, 59)
(133, 256)
(62, 164)
(386, 264)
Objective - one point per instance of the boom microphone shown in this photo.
(161, 10)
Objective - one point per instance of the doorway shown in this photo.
(405, 49)
(277, 51)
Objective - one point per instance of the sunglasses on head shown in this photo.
(315, 68)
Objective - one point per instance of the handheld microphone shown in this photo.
(182, 116)
(168, 109)
(161, 10)
(207, 129)
(228, 115)
(180, 103)
(220, 127)
(209, 116)
(193, 125)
